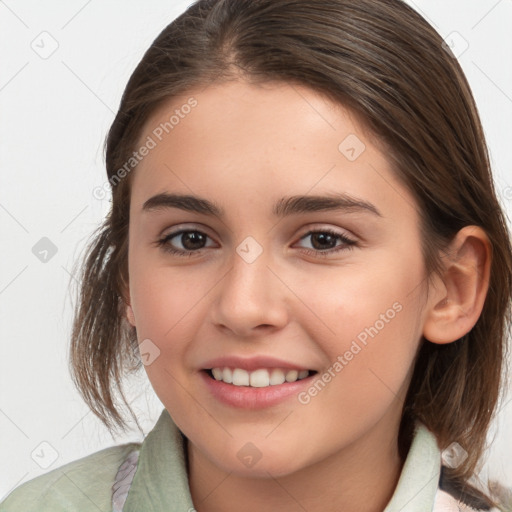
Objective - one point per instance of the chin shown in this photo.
(252, 462)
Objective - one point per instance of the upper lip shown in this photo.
(251, 363)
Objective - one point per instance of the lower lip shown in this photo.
(246, 397)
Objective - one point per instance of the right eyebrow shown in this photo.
(183, 202)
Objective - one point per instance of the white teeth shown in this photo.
(240, 377)
(217, 373)
(260, 378)
(292, 375)
(277, 377)
(227, 375)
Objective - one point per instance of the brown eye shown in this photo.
(191, 241)
(324, 242)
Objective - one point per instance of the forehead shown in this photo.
(257, 141)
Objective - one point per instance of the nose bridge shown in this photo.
(249, 275)
(250, 294)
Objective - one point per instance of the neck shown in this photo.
(360, 477)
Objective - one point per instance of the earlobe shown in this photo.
(455, 307)
(129, 315)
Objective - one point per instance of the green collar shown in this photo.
(161, 482)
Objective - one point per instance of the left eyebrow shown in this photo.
(284, 207)
(303, 204)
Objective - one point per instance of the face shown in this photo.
(245, 278)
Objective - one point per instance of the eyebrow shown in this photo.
(284, 207)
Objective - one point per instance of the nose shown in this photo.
(251, 298)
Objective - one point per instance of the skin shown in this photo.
(245, 146)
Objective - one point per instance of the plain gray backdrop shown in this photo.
(64, 66)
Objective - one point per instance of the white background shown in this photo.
(54, 115)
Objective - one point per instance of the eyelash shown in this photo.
(349, 243)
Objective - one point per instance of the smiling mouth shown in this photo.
(258, 378)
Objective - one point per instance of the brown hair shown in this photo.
(384, 62)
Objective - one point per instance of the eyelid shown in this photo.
(184, 226)
(336, 230)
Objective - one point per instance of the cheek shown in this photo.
(373, 320)
(359, 297)
(165, 299)
(167, 306)
(370, 361)
(170, 305)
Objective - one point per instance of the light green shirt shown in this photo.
(160, 481)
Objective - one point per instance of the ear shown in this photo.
(129, 311)
(458, 298)
(126, 298)
(129, 315)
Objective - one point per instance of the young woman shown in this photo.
(306, 249)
